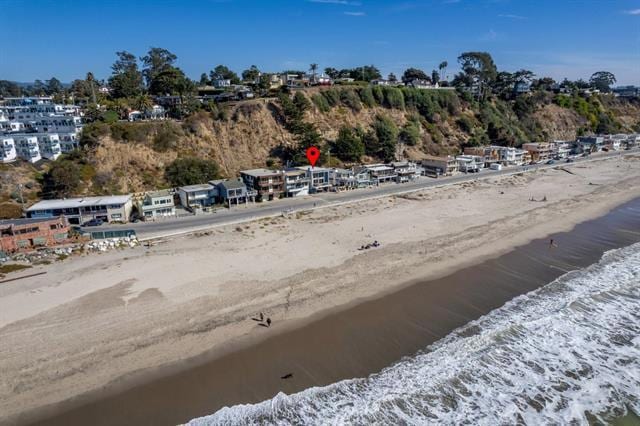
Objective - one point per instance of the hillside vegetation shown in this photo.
(370, 123)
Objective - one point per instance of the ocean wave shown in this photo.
(567, 353)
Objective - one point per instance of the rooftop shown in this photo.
(232, 184)
(14, 222)
(198, 187)
(259, 172)
(160, 193)
(79, 202)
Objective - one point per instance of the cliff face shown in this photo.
(132, 157)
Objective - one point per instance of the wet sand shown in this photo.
(361, 339)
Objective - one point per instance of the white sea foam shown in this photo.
(547, 357)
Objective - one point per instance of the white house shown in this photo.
(27, 147)
(114, 208)
(157, 204)
(8, 152)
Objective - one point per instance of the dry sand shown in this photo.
(92, 320)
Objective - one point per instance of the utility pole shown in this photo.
(21, 197)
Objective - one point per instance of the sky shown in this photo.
(66, 39)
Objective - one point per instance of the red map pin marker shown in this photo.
(312, 155)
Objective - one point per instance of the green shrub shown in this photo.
(410, 133)
(350, 99)
(332, 96)
(321, 103)
(191, 171)
(367, 98)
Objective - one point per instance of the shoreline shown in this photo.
(225, 366)
(315, 293)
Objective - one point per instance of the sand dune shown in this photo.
(92, 320)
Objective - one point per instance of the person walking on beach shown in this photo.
(552, 243)
(261, 317)
(268, 322)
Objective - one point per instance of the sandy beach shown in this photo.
(101, 322)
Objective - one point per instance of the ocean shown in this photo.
(565, 353)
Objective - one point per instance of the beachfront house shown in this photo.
(113, 208)
(381, 173)
(197, 197)
(439, 166)
(470, 163)
(157, 204)
(29, 234)
(362, 177)
(539, 151)
(490, 154)
(319, 178)
(296, 182)
(233, 191)
(343, 178)
(589, 144)
(405, 171)
(561, 150)
(267, 184)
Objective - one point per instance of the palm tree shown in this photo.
(143, 103)
(313, 68)
(443, 66)
(91, 80)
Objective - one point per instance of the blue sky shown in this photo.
(65, 39)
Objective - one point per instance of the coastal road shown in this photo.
(252, 211)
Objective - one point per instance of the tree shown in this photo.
(313, 68)
(410, 133)
(9, 88)
(170, 81)
(348, 146)
(221, 72)
(413, 74)
(63, 179)
(204, 79)
(143, 103)
(54, 86)
(602, 80)
(126, 79)
(365, 73)
(332, 72)
(387, 137)
(443, 70)
(544, 83)
(157, 61)
(190, 171)
(392, 77)
(435, 77)
(480, 69)
(91, 82)
(252, 74)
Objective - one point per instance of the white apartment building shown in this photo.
(27, 147)
(49, 145)
(55, 127)
(8, 152)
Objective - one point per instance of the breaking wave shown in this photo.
(568, 352)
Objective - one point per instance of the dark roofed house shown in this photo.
(232, 191)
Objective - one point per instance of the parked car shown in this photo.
(93, 222)
(569, 160)
(550, 162)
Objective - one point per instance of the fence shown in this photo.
(100, 235)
